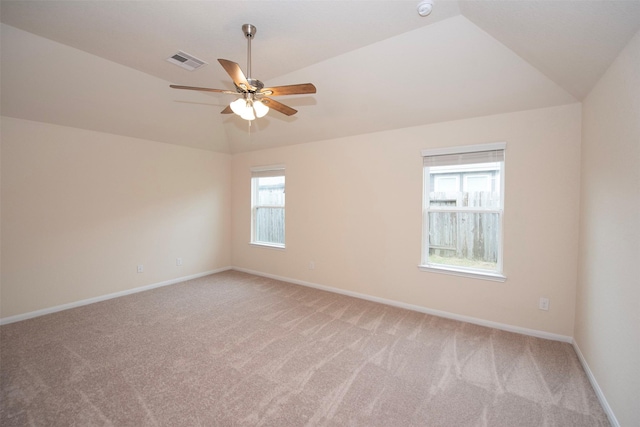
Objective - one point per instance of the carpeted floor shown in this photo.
(233, 349)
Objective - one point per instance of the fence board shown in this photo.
(465, 235)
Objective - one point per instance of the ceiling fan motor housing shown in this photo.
(255, 83)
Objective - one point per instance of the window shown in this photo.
(267, 206)
(462, 225)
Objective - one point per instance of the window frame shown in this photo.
(425, 265)
(263, 172)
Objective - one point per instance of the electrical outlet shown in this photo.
(544, 304)
(178, 261)
(140, 268)
(312, 265)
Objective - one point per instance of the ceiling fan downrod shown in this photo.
(249, 32)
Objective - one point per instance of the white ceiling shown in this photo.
(377, 65)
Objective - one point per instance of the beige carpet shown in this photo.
(234, 349)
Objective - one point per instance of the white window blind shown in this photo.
(464, 155)
(264, 173)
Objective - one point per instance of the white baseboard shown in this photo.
(37, 313)
(603, 400)
(453, 316)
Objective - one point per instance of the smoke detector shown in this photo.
(425, 7)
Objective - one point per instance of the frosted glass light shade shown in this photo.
(261, 109)
(239, 106)
(248, 113)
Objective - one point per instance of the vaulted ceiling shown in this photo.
(377, 65)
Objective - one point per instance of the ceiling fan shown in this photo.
(254, 101)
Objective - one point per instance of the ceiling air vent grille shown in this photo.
(186, 61)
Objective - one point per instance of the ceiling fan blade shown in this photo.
(284, 109)
(236, 74)
(289, 90)
(227, 110)
(205, 89)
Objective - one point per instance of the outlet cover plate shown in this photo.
(544, 304)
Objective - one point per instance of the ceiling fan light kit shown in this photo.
(249, 109)
(254, 101)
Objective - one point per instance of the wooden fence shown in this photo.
(270, 225)
(465, 235)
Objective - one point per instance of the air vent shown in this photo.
(186, 61)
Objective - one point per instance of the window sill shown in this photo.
(495, 277)
(267, 245)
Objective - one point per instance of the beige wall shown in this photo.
(81, 209)
(354, 208)
(608, 298)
